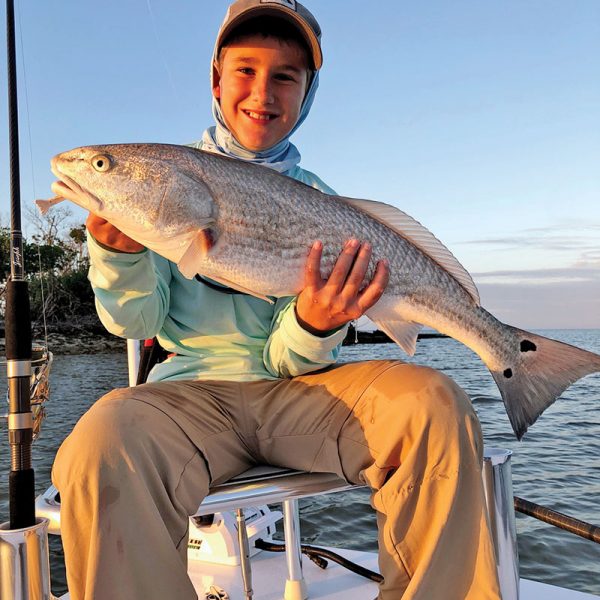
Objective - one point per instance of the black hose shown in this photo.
(318, 554)
(553, 517)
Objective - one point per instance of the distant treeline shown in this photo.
(56, 265)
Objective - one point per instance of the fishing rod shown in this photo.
(17, 321)
(24, 557)
(558, 519)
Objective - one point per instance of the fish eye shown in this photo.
(101, 162)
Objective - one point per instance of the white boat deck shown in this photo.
(333, 583)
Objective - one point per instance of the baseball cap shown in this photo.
(289, 10)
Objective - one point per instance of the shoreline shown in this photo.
(80, 343)
(94, 342)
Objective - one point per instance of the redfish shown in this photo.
(250, 228)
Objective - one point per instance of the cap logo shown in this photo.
(287, 3)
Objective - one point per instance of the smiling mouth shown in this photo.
(259, 116)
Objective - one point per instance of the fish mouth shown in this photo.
(68, 188)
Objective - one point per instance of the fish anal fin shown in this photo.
(404, 333)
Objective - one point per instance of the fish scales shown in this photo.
(303, 213)
(251, 228)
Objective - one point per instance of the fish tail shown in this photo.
(541, 371)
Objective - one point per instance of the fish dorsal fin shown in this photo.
(419, 236)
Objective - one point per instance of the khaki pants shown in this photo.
(141, 460)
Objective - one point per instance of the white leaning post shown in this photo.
(133, 360)
(295, 586)
(244, 554)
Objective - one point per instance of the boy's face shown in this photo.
(260, 86)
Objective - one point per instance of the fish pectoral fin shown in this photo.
(191, 261)
(190, 264)
(404, 333)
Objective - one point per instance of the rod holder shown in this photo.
(497, 484)
(24, 562)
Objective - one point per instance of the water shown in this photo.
(557, 464)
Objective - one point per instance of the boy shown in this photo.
(246, 381)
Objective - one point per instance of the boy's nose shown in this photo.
(262, 91)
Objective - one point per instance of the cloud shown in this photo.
(572, 235)
(589, 258)
(544, 305)
(549, 298)
(565, 296)
(554, 242)
(576, 225)
(584, 271)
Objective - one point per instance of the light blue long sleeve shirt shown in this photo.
(211, 334)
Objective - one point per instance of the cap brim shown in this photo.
(282, 13)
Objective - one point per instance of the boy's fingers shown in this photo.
(343, 264)
(108, 235)
(371, 294)
(312, 272)
(359, 269)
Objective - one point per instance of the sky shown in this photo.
(479, 119)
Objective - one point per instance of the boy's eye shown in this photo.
(246, 70)
(286, 77)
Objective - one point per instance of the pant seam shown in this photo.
(401, 559)
(196, 453)
(394, 543)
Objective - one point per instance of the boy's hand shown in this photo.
(326, 304)
(109, 236)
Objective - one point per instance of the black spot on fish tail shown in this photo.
(508, 373)
(528, 346)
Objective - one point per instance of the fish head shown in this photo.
(139, 188)
(96, 178)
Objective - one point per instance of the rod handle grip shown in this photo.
(21, 487)
(17, 321)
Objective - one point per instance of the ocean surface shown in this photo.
(556, 465)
